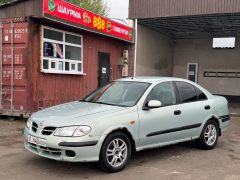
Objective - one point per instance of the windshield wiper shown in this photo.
(83, 100)
(111, 104)
(100, 102)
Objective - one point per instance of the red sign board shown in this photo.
(87, 19)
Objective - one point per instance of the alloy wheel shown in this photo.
(117, 152)
(210, 135)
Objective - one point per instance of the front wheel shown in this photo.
(115, 152)
(209, 136)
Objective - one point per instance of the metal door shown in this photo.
(103, 68)
(192, 72)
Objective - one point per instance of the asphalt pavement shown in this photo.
(181, 162)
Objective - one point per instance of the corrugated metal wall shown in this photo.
(51, 89)
(33, 90)
(164, 8)
(22, 9)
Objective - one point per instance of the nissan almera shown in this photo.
(126, 116)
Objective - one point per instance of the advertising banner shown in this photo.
(68, 12)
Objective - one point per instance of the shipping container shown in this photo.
(25, 88)
(13, 86)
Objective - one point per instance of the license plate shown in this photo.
(37, 141)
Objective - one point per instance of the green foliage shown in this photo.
(4, 1)
(96, 6)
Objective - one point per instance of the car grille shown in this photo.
(46, 150)
(34, 127)
(48, 130)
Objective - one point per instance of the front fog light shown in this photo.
(29, 123)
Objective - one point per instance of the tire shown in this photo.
(115, 153)
(209, 136)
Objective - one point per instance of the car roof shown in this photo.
(151, 79)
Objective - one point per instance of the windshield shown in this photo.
(124, 94)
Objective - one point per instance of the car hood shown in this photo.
(73, 113)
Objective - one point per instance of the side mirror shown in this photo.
(154, 104)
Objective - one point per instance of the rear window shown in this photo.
(187, 92)
(200, 95)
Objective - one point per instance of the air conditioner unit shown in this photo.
(125, 55)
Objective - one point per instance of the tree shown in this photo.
(96, 6)
(4, 1)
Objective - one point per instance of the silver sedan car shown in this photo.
(126, 116)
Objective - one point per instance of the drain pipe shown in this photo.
(135, 47)
(12, 62)
(1, 62)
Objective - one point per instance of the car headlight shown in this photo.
(73, 131)
(29, 123)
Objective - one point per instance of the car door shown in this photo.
(194, 108)
(158, 125)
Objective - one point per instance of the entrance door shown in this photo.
(103, 68)
(192, 72)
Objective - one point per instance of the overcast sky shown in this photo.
(118, 8)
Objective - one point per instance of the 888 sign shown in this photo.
(99, 23)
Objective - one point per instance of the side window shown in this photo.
(201, 96)
(163, 92)
(187, 92)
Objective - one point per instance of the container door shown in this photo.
(103, 69)
(12, 68)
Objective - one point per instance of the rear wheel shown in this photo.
(209, 136)
(115, 153)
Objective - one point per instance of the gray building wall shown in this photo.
(200, 51)
(165, 8)
(154, 53)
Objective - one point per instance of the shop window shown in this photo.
(53, 65)
(60, 65)
(66, 66)
(54, 35)
(73, 67)
(73, 39)
(62, 52)
(45, 64)
(79, 67)
(72, 53)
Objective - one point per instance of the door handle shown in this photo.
(177, 112)
(207, 107)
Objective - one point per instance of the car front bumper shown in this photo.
(84, 149)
